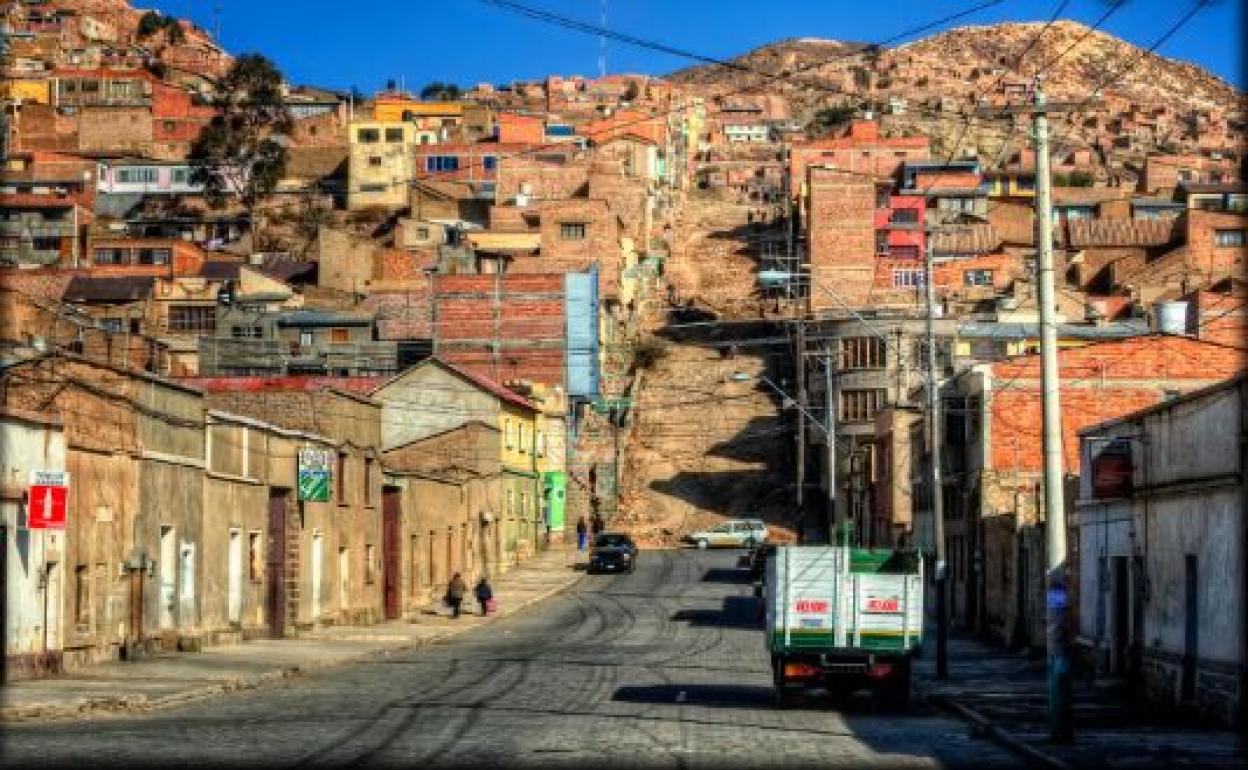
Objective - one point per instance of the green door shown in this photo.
(554, 498)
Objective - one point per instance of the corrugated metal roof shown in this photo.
(1120, 232)
(128, 288)
(971, 239)
(1012, 331)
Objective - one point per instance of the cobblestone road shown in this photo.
(662, 668)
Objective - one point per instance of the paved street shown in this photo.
(663, 668)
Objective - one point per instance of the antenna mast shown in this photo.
(602, 40)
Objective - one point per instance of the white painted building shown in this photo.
(747, 132)
(31, 560)
(145, 177)
(1161, 550)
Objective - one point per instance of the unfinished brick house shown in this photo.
(991, 447)
(861, 150)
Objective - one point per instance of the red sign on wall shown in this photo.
(812, 605)
(48, 498)
(883, 604)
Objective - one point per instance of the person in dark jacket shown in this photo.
(484, 594)
(582, 531)
(598, 525)
(455, 591)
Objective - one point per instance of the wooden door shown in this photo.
(391, 534)
(275, 563)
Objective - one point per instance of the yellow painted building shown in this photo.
(26, 91)
(380, 166)
(394, 109)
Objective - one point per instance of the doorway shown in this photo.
(1120, 608)
(275, 561)
(318, 554)
(344, 578)
(234, 565)
(1191, 626)
(168, 575)
(390, 552)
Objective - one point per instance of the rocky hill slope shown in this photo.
(925, 86)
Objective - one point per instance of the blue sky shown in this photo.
(337, 44)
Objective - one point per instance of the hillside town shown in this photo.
(281, 362)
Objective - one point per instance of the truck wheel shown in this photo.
(897, 688)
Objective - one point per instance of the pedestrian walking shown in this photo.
(455, 591)
(598, 524)
(485, 595)
(582, 529)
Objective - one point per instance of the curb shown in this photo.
(133, 704)
(1001, 736)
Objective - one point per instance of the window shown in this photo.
(368, 481)
(169, 125)
(881, 197)
(904, 217)
(1228, 237)
(340, 476)
(370, 563)
(394, 135)
(82, 595)
(372, 188)
(977, 278)
(489, 162)
(572, 231)
(375, 161)
(524, 504)
(863, 353)
(907, 278)
(247, 332)
(511, 502)
(422, 233)
(255, 556)
(113, 325)
(193, 318)
(305, 338)
(338, 336)
(507, 434)
(860, 405)
(904, 251)
(368, 136)
(181, 176)
(520, 433)
(541, 444)
(154, 256)
(112, 256)
(136, 176)
(881, 242)
(442, 163)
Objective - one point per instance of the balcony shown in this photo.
(18, 228)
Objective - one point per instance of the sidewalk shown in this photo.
(173, 678)
(1005, 695)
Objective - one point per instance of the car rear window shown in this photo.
(613, 541)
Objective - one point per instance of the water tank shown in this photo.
(1170, 317)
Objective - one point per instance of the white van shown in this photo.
(733, 533)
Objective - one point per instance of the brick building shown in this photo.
(991, 451)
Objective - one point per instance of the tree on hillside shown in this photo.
(441, 92)
(153, 22)
(240, 155)
(829, 118)
(632, 91)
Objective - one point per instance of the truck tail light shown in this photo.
(800, 671)
(880, 670)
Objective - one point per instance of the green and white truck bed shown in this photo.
(842, 618)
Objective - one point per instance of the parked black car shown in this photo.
(612, 552)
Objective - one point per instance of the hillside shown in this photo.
(1168, 105)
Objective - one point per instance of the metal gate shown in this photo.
(390, 539)
(275, 562)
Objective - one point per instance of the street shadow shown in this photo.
(742, 696)
(737, 612)
(725, 575)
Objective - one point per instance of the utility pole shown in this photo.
(938, 502)
(800, 368)
(1060, 727)
(834, 518)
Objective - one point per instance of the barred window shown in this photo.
(572, 231)
(861, 405)
(193, 318)
(863, 353)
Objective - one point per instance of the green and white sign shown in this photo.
(314, 474)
